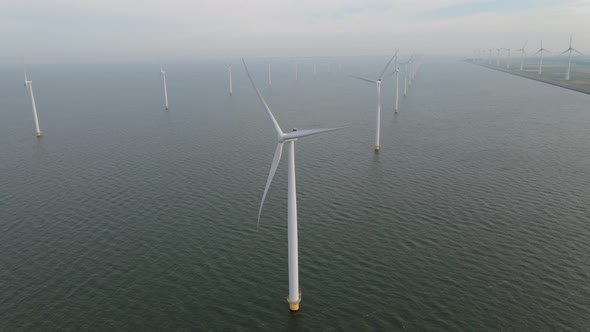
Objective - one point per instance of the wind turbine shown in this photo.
(269, 75)
(378, 84)
(523, 52)
(29, 86)
(508, 58)
(569, 62)
(410, 71)
(315, 72)
(396, 73)
(406, 70)
(490, 57)
(163, 73)
(231, 84)
(294, 297)
(541, 50)
(498, 58)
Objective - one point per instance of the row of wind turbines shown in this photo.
(480, 54)
(410, 66)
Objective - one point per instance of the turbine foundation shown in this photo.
(294, 305)
(39, 134)
(377, 148)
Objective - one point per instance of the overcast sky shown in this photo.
(155, 30)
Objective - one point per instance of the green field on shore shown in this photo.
(554, 70)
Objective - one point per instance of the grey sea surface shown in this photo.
(123, 216)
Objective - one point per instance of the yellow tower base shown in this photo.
(39, 134)
(377, 148)
(294, 305)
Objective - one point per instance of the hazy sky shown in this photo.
(150, 30)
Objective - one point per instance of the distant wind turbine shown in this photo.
(378, 84)
(523, 55)
(269, 75)
(315, 72)
(396, 73)
(498, 58)
(231, 83)
(29, 86)
(163, 73)
(541, 50)
(490, 57)
(507, 58)
(294, 297)
(569, 61)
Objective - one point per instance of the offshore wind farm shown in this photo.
(429, 193)
(558, 70)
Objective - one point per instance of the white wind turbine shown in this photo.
(406, 73)
(163, 73)
(569, 62)
(507, 58)
(498, 57)
(294, 297)
(29, 86)
(541, 50)
(523, 54)
(269, 75)
(490, 57)
(396, 73)
(378, 84)
(231, 83)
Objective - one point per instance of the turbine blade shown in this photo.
(539, 51)
(580, 53)
(272, 118)
(363, 79)
(308, 132)
(564, 51)
(273, 168)
(523, 46)
(387, 65)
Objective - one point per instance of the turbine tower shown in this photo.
(231, 83)
(269, 75)
(29, 86)
(569, 61)
(396, 73)
(378, 84)
(508, 58)
(523, 54)
(490, 57)
(163, 73)
(498, 57)
(294, 297)
(541, 50)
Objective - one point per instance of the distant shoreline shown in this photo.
(562, 85)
